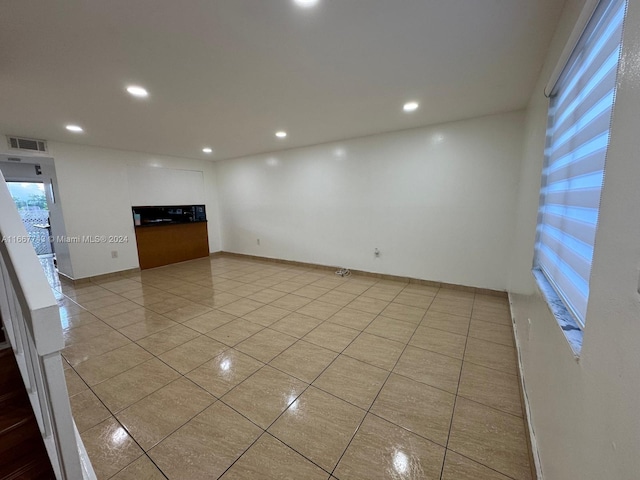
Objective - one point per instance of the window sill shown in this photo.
(572, 331)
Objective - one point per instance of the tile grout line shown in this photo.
(474, 401)
(295, 400)
(183, 375)
(380, 390)
(240, 413)
(455, 399)
(113, 414)
(297, 340)
(301, 393)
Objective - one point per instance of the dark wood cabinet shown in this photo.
(172, 243)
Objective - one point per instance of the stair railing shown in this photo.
(31, 318)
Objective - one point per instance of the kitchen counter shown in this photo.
(160, 223)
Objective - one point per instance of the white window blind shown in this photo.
(577, 139)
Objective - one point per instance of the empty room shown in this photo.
(319, 239)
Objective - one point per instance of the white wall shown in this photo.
(585, 412)
(150, 186)
(438, 202)
(94, 190)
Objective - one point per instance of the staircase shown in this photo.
(35, 415)
(22, 451)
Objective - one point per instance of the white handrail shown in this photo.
(31, 318)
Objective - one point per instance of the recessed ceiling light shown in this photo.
(137, 91)
(207, 150)
(74, 128)
(281, 134)
(410, 106)
(306, 3)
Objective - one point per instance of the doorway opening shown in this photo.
(31, 201)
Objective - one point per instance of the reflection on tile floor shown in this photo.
(239, 369)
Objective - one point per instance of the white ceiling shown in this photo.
(229, 73)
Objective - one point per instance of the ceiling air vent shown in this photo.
(31, 144)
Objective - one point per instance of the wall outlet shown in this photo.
(114, 254)
(376, 252)
(258, 241)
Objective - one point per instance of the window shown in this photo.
(580, 112)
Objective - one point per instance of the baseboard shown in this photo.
(362, 273)
(97, 278)
(330, 268)
(532, 444)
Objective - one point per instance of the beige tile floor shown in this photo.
(238, 369)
